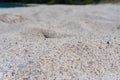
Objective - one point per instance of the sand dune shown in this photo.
(60, 42)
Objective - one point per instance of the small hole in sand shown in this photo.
(46, 36)
(118, 27)
(53, 34)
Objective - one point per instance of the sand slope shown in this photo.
(60, 42)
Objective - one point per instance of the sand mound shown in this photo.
(11, 18)
(60, 42)
(35, 34)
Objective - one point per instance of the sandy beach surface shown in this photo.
(60, 42)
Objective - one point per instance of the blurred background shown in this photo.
(60, 1)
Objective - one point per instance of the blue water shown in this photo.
(4, 5)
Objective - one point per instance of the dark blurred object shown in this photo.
(10, 5)
(110, 1)
(58, 1)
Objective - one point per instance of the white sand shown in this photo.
(59, 42)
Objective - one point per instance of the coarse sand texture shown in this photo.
(60, 42)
